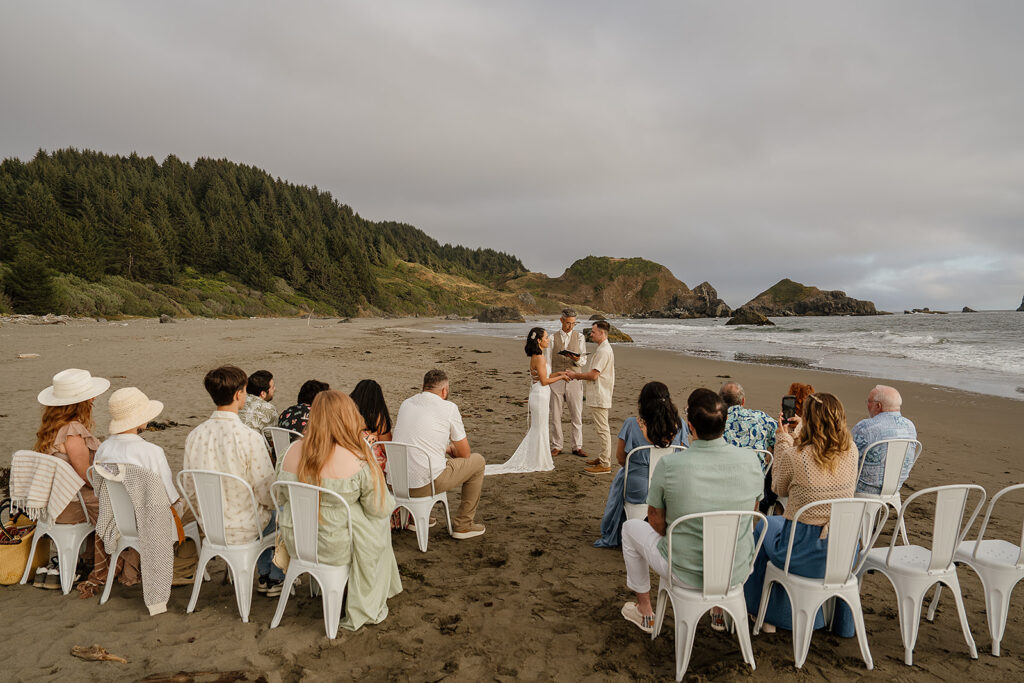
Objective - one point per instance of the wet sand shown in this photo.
(531, 599)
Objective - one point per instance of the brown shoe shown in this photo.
(472, 531)
(593, 462)
(555, 451)
(580, 452)
(597, 469)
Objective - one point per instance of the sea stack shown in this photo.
(1020, 309)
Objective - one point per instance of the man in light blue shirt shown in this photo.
(886, 422)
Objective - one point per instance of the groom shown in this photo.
(569, 392)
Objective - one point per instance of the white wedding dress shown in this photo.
(534, 453)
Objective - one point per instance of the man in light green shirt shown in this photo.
(709, 476)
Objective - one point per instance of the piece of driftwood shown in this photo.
(203, 677)
(95, 654)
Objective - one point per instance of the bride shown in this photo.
(534, 453)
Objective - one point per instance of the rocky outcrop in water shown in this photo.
(700, 302)
(746, 316)
(968, 309)
(792, 298)
(614, 334)
(500, 314)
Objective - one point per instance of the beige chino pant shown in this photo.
(604, 435)
(467, 473)
(571, 395)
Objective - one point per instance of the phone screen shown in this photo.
(788, 407)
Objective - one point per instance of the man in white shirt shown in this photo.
(224, 444)
(600, 384)
(569, 393)
(431, 422)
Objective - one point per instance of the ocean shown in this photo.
(981, 352)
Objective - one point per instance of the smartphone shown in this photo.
(788, 408)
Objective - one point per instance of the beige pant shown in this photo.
(571, 395)
(604, 435)
(467, 473)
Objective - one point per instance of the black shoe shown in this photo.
(262, 583)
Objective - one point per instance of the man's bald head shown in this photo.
(884, 399)
(732, 394)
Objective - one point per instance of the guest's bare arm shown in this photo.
(460, 449)
(78, 454)
(656, 518)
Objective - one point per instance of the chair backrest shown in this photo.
(304, 503)
(120, 502)
(281, 438)
(767, 460)
(845, 523)
(399, 456)
(655, 453)
(947, 530)
(897, 451)
(720, 537)
(209, 493)
(27, 459)
(988, 515)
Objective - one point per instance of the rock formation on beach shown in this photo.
(747, 316)
(500, 314)
(700, 302)
(615, 335)
(968, 309)
(792, 298)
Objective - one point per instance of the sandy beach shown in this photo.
(531, 599)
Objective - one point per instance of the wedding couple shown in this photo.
(535, 453)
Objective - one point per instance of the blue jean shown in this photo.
(263, 565)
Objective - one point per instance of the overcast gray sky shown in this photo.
(876, 147)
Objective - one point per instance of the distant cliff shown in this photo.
(792, 298)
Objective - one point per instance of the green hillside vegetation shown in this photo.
(787, 291)
(87, 233)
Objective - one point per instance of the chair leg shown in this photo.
(934, 605)
(997, 604)
(447, 515)
(332, 609)
(686, 629)
(204, 559)
(243, 576)
(737, 614)
(286, 589)
(763, 607)
(852, 599)
(67, 560)
(110, 574)
(804, 611)
(31, 554)
(909, 605)
(422, 530)
(659, 612)
(954, 586)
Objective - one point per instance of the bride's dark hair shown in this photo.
(659, 414)
(533, 342)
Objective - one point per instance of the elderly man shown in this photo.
(749, 428)
(569, 393)
(886, 422)
(600, 384)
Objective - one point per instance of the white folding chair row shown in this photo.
(639, 510)
(240, 557)
(897, 452)
(721, 533)
(304, 505)
(807, 595)
(1000, 566)
(767, 459)
(67, 538)
(400, 456)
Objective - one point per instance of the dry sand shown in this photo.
(530, 600)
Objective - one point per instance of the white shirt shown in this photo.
(224, 444)
(428, 421)
(599, 392)
(132, 449)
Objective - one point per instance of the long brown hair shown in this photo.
(334, 420)
(55, 417)
(824, 430)
(801, 392)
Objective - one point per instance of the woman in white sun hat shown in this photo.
(66, 432)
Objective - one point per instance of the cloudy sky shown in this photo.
(876, 147)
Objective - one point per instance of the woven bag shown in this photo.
(15, 543)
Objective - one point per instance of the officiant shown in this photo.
(568, 352)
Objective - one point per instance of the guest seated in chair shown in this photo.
(815, 459)
(296, 417)
(334, 455)
(658, 424)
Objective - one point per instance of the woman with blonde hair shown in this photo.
(815, 459)
(334, 455)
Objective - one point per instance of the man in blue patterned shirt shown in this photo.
(749, 428)
(886, 422)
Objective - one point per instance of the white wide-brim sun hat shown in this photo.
(72, 386)
(130, 408)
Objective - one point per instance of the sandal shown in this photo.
(645, 622)
(718, 620)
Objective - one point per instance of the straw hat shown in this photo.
(130, 408)
(72, 386)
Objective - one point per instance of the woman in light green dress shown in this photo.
(334, 455)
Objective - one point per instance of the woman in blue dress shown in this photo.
(657, 424)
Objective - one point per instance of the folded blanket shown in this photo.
(42, 485)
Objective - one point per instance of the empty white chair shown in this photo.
(67, 538)
(281, 438)
(913, 569)
(1000, 566)
(897, 452)
(639, 510)
(304, 503)
(767, 459)
(721, 588)
(807, 595)
(399, 455)
(240, 557)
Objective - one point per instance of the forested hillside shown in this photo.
(88, 233)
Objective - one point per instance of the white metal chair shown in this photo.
(807, 595)
(67, 538)
(399, 457)
(639, 510)
(721, 534)
(304, 503)
(281, 438)
(240, 557)
(124, 517)
(913, 569)
(1000, 566)
(897, 451)
(767, 460)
